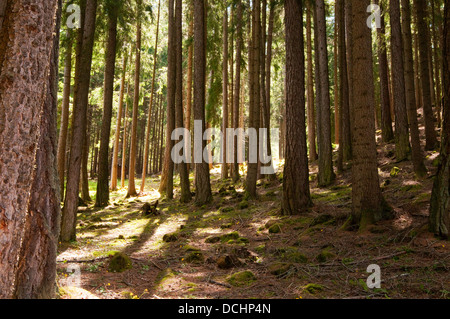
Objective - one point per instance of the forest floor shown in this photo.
(238, 248)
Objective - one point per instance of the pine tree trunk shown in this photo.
(296, 194)
(416, 154)
(311, 114)
(367, 201)
(124, 142)
(133, 146)
(81, 92)
(64, 127)
(225, 123)
(387, 133)
(26, 95)
(147, 136)
(102, 197)
(203, 193)
(402, 146)
(439, 222)
(326, 174)
(237, 90)
(424, 40)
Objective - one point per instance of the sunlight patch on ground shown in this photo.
(171, 225)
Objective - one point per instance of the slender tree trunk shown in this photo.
(147, 136)
(84, 185)
(402, 146)
(237, 89)
(424, 40)
(185, 195)
(326, 174)
(367, 201)
(387, 132)
(102, 197)
(188, 117)
(416, 154)
(225, 123)
(203, 193)
(133, 147)
(26, 95)
(64, 127)
(69, 213)
(439, 222)
(124, 143)
(311, 114)
(437, 61)
(296, 194)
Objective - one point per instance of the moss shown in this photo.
(325, 255)
(280, 268)
(275, 229)
(408, 188)
(119, 263)
(227, 209)
(194, 257)
(168, 238)
(227, 225)
(212, 239)
(260, 249)
(313, 288)
(394, 171)
(325, 219)
(243, 204)
(243, 278)
(189, 248)
(165, 275)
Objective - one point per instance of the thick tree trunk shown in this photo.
(84, 184)
(402, 146)
(326, 174)
(367, 201)
(26, 96)
(83, 74)
(203, 193)
(439, 222)
(102, 197)
(296, 194)
(417, 155)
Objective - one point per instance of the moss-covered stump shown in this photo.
(119, 262)
(242, 278)
(275, 229)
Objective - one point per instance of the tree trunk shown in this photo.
(310, 87)
(26, 95)
(416, 154)
(203, 193)
(81, 91)
(124, 142)
(326, 174)
(102, 197)
(64, 127)
(387, 133)
(237, 89)
(185, 195)
(133, 147)
(296, 194)
(439, 222)
(84, 185)
(402, 147)
(423, 31)
(225, 123)
(147, 136)
(367, 201)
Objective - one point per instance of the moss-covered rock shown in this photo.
(228, 261)
(323, 219)
(194, 257)
(275, 229)
(119, 262)
(280, 268)
(313, 288)
(169, 238)
(243, 278)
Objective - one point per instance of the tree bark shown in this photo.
(83, 73)
(203, 193)
(237, 89)
(225, 123)
(311, 114)
(102, 197)
(439, 222)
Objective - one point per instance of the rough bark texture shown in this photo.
(102, 197)
(424, 40)
(203, 193)
(402, 147)
(79, 123)
(24, 96)
(367, 201)
(439, 222)
(416, 154)
(225, 123)
(387, 133)
(296, 194)
(310, 87)
(326, 174)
